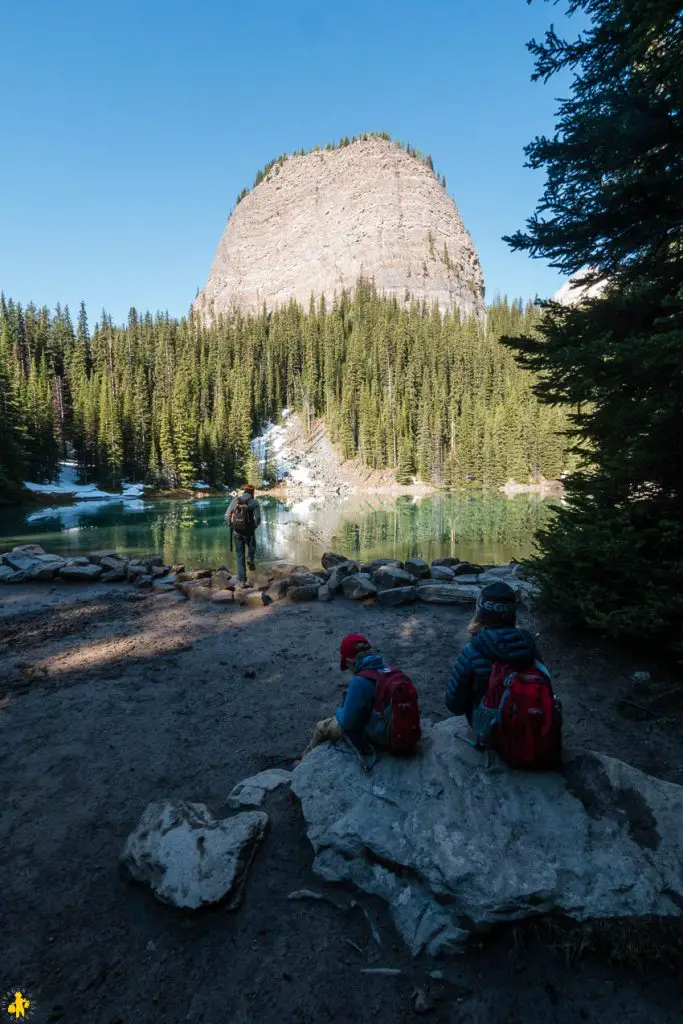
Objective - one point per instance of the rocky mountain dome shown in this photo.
(319, 222)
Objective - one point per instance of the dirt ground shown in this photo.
(117, 699)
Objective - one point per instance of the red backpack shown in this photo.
(520, 717)
(397, 702)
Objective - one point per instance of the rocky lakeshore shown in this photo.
(385, 581)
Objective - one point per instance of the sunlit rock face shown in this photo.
(317, 223)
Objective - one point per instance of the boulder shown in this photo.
(277, 591)
(36, 565)
(466, 568)
(222, 597)
(153, 562)
(5, 573)
(502, 572)
(78, 573)
(191, 589)
(252, 598)
(190, 577)
(188, 857)
(377, 563)
(324, 593)
(449, 561)
(302, 577)
(469, 579)
(144, 582)
(388, 576)
(359, 586)
(98, 558)
(114, 575)
(304, 591)
(163, 586)
(111, 563)
(17, 577)
(397, 595)
(29, 549)
(223, 580)
(157, 571)
(329, 560)
(339, 574)
(447, 593)
(79, 560)
(252, 791)
(429, 834)
(442, 573)
(282, 570)
(419, 568)
(135, 569)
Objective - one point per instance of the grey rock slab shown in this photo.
(107, 559)
(282, 570)
(79, 560)
(467, 579)
(76, 573)
(388, 576)
(418, 567)
(453, 847)
(442, 573)
(5, 573)
(223, 597)
(17, 577)
(251, 792)
(449, 561)
(188, 857)
(324, 593)
(358, 587)
(447, 593)
(397, 595)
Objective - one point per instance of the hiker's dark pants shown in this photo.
(242, 543)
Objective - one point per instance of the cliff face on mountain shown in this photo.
(318, 222)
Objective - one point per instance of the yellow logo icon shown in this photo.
(18, 1005)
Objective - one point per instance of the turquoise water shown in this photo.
(481, 528)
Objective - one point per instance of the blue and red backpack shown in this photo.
(520, 717)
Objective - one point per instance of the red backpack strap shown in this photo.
(381, 681)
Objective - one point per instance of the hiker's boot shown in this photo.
(252, 566)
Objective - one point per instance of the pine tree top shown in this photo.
(417, 154)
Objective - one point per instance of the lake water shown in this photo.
(480, 528)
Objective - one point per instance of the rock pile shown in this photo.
(386, 581)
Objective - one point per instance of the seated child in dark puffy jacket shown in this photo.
(356, 718)
(494, 638)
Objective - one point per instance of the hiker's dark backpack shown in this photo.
(242, 519)
(397, 702)
(520, 717)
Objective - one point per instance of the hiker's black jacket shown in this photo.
(470, 675)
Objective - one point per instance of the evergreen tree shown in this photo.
(613, 202)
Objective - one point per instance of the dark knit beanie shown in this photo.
(496, 605)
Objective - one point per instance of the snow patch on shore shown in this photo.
(66, 484)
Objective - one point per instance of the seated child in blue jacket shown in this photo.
(356, 718)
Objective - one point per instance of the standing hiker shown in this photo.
(243, 518)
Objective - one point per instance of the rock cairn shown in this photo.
(385, 581)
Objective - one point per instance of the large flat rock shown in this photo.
(454, 846)
(188, 857)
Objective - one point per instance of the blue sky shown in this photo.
(128, 127)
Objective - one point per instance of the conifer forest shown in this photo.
(169, 401)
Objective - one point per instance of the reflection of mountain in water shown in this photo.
(483, 528)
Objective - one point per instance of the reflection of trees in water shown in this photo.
(445, 524)
(482, 528)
